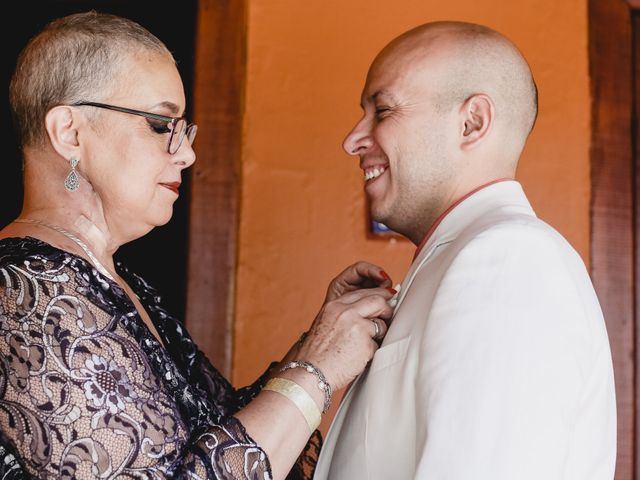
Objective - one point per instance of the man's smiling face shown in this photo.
(404, 142)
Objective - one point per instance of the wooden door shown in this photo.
(213, 214)
(614, 51)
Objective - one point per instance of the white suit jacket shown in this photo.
(497, 364)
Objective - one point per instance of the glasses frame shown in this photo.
(164, 118)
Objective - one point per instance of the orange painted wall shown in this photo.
(302, 205)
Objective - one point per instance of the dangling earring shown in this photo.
(72, 182)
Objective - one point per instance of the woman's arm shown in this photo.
(340, 345)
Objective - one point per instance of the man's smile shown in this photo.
(371, 173)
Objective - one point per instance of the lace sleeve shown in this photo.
(79, 398)
(219, 390)
(305, 465)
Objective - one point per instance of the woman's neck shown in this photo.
(95, 234)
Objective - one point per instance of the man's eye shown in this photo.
(158, 126)
(381, 112)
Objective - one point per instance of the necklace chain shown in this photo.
(71, 236)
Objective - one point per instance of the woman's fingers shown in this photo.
(379, 329)
(351, 324)
(346, 334)
(357, 295)
(373, 306)
(361, 272)
(357, 276)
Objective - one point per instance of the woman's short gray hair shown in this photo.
(77, 57)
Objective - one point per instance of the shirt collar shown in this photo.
(430, 233)
(503, 195)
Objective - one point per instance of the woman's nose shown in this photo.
(185, 156)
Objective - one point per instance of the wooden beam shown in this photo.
(612, 205)
(219, 78)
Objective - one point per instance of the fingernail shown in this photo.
(384, 274)
(392, 290)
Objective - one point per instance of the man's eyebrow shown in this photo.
(378, 93)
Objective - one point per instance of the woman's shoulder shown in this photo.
(18, 250)
(25, 260)
(31, 266)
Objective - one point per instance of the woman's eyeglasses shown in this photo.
(179, 127)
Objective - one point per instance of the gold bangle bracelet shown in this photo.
(299, 397)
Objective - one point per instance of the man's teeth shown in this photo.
(375, 173)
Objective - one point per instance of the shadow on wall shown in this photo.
(160, 256)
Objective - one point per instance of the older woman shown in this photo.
(96, 378)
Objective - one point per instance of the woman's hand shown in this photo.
(341, 339)
(357, 276)
(360, 275)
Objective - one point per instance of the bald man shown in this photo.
(497, 364)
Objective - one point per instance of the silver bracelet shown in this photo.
(323, 385)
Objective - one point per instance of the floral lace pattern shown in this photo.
(87, 391)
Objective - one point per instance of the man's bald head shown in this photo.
(463, 59)
(447, 108)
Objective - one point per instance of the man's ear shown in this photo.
(477, 114)
(62, 124)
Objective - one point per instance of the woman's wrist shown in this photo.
(306, 381)
(321, 382)
(299, 396)
(296, 369)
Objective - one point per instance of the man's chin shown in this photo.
(386, 218)
(379, 217)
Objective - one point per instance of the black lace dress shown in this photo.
(86, 391)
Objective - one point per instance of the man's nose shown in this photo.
(359, 140)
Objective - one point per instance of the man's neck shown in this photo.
(451, 207)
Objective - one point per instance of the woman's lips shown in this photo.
(173, 186)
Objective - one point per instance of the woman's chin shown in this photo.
(160, 218)
(165, 219)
